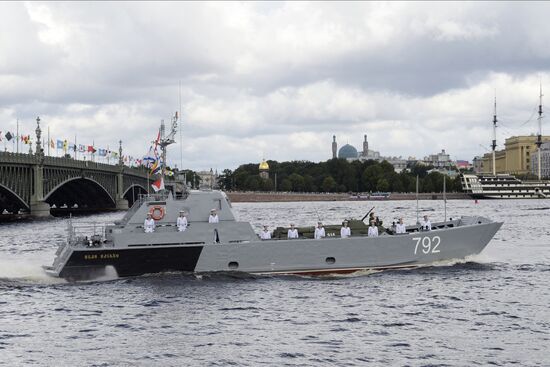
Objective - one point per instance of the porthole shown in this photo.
(233, 265)
(330, 260)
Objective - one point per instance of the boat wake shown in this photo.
(26, 270)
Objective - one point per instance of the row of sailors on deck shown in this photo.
(265, 234)
(181, 222)
(345, 231)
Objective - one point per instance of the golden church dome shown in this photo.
(264, 166)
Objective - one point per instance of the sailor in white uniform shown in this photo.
(319, 231)
(213, 218)
(426, 224)
(149, 224)
(345, 231)
(373, 230)
(265, 234)
(400, 228)
(182, 222)
(292, 232)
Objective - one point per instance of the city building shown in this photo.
(351, 153)
(515, 158)
(545, 161)
(439, 160)
(478, 164)
(465, 165)
(209, 179)
(399, 164)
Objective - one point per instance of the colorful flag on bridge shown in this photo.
(9, 136)
(60, 144)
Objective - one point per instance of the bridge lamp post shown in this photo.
(39, 208)
(121, 203)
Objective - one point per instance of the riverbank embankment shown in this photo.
(244, 197)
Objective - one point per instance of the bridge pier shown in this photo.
(122, 204)
(40, 209)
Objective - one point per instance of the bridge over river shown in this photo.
(35, 183)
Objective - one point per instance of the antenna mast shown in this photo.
(167, 140)
(539, 136)
(494, 144)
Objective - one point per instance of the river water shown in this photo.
(492, 309)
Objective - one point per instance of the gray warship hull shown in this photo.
(234, 246)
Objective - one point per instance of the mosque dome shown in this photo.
(264, 166)
(347, 151)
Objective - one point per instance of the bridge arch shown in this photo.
(132, 193)
(82, 191)
(10, 201)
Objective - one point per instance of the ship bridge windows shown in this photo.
(218, 204)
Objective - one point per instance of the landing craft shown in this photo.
(232, 245)
(93, 250)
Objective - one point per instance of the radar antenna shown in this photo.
(167, 140)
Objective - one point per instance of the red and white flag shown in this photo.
(158, 185)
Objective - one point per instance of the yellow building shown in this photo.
(515, 158)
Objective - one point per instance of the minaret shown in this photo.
(334, 146)
(494, 145)
(539, 136)
(365, 146)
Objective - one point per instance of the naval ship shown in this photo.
(92, 251)
(230, 245)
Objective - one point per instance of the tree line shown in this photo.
(335, 175)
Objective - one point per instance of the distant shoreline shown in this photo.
(251, 197)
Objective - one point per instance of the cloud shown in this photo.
(274, 79)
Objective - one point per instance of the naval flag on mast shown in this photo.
(158, 185)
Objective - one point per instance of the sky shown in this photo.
(275, 80)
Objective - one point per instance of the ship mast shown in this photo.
(167, 140)
(539, 136)
(494, 144)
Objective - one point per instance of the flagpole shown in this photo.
(17, 138)
(417, 221)
(49, 142)
(445, 195)
(181, 141)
